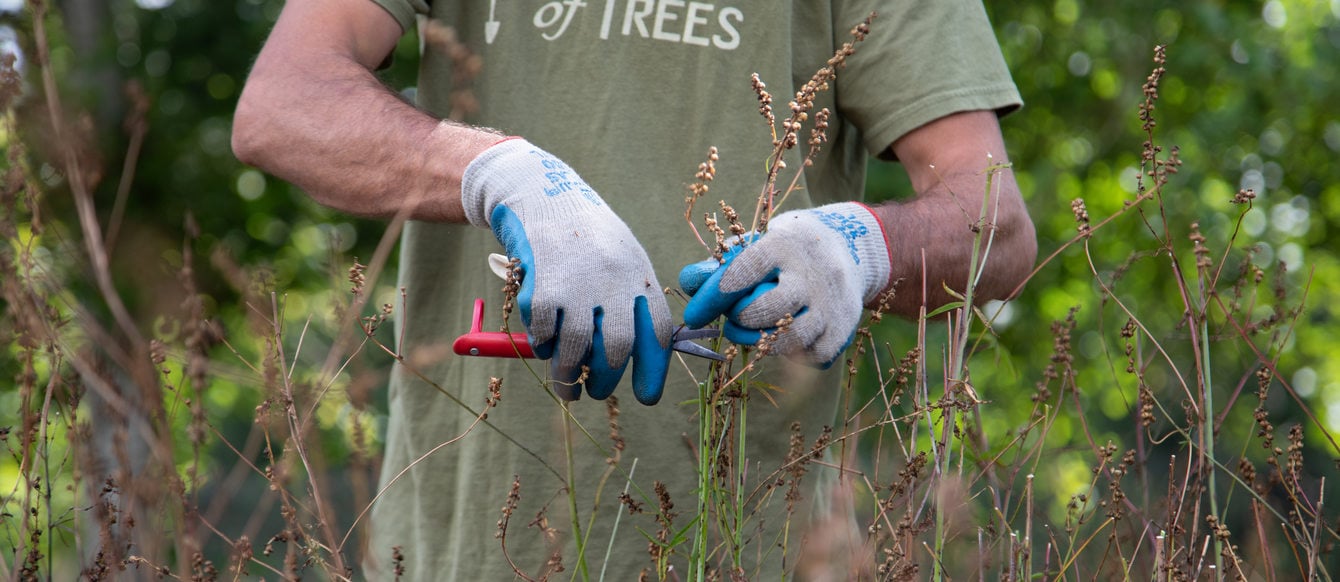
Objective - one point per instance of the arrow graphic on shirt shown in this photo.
(491, 27)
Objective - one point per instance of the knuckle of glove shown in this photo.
(768, 309)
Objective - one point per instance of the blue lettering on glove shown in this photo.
(845, 225)
(559, 176)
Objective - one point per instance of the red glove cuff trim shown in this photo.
(512, 137)
(888, 248)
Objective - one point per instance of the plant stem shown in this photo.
(698, 555)
(1028, 529)
(45, 441)
(572, 495)
(957, 373)
(614, 531)
(1207, 436)
(740, 468)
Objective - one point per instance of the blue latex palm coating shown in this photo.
(651, 360)
(737, 333)
(702, 280)
(511, 234)
(603, 377)
(692, 276)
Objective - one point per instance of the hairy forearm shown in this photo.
(325, 123)
(931, 240)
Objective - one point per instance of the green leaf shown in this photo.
(945, 308)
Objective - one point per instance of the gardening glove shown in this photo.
(820, 265)
(588, 295)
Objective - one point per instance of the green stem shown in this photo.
(942, 469)
(572, 496)
(699, 552)
(979, 254)
(614, 532)
(958, 368)
(739, 459)
(1207, 435)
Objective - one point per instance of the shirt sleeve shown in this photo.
(922, 60)
(404, 11)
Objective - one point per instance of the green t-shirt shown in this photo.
(631, 93)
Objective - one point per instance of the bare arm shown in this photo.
(946, 160)
(313, 113)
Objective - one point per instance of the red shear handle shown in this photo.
(491, 344)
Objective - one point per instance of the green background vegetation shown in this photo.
(1249, 99)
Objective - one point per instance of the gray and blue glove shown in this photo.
(821, 266)
(588, 294)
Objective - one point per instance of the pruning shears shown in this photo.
(501, 344)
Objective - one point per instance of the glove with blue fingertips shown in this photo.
(821, 266)
(588, 294)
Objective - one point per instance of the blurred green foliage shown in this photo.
(1249, 99)
(1246, 99)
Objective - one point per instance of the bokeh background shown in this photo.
(1251, 99)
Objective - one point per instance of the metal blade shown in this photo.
(684, 333)
(681, 342)
(692, 349)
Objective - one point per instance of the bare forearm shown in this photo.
(931, 240)
(313, 114)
